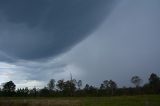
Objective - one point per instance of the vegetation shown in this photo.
(71, 87)
(145, 100)
(71, 93)
(136, 80)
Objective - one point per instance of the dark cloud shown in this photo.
(4, 57)
(33, 29)
(126, 44)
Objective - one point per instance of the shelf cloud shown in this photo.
(95, 40)
(32, 30)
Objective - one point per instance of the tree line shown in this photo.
(73, 87)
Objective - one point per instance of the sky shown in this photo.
(95, 40)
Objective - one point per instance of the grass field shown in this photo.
(147, 100)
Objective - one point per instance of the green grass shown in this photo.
(124, 101)
(147, 100)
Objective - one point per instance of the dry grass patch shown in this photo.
(40, 102)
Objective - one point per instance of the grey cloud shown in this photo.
(127, 44)
(6, 58)
(40, 29)
(40, 70)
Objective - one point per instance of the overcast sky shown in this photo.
(95, 40)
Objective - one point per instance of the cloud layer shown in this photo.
(126, 44)
(40, 29)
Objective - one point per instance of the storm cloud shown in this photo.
(95, 40)
(31, 29)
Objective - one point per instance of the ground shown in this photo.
(145, 100)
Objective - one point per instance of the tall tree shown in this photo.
(86, 88)
(67, 87)
(110, 85)
(70, 87)
(102, 87)
(60, 84)
(153, 79)
(51, 84)
(9, 88)
(79, 84)
(154, 83)
(106, 84)
(136, 80)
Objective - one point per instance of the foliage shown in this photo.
(136, 80)
(9, 88)
(153, 79)
(79, 84)
(73, 88)
(51, 84)
(154, 83)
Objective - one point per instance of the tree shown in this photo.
(153, 79)
(33, 92)
(70, 87)
(79, 84)
(67, 87)
(9, 88)
(136, 80)
(51, 84)
(22, 92)
(86, 88)
(106, 84)
(44, 92)
(154, 83)
(110, 85)
(60, 85)
(102, 87)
